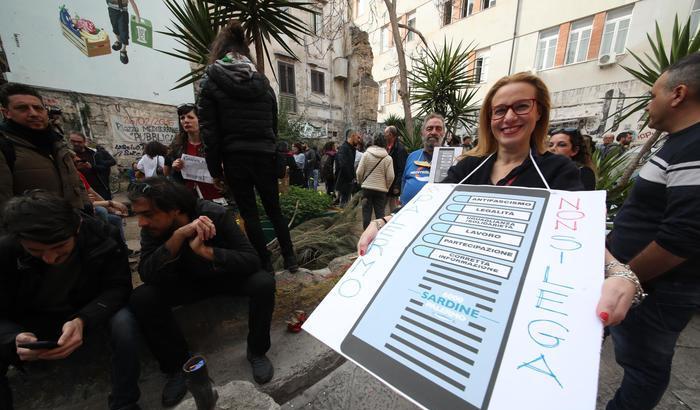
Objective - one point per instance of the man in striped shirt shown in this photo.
(657, 232)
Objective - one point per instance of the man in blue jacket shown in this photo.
(417, 170)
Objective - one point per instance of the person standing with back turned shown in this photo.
(238, 124)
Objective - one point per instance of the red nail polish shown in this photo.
(362, 253)
(604, 316)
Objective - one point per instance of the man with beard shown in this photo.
(32, 154)
(417, 170)
(94, 165)
(344, 166)
(192, 250)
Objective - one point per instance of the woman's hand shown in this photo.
(368, 236)
(178, 164)
(615, 300)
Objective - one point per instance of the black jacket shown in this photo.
(559, 171)
(98, 175)
(344, 167)
(103, 287)
(398, 156)
(233, 253)
(237, 113)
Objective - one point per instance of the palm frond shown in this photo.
(195, 24)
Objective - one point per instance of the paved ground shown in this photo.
(351, 388)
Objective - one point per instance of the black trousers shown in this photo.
(372, 200)
(152, 304)
(246, 174)
(123, 333)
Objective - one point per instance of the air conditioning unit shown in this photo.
(340, 68)
(606, 60)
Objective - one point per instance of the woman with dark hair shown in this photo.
(238, 125)
(570, 143)
(152, 162)
(188, 142)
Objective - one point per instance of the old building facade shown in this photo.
(575, 47)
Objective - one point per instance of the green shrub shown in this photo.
(312, 204)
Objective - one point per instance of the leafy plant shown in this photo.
(302, 204)
(195, 25)
(609, 170)
(197, 22)
(650, 69)
(442, 82)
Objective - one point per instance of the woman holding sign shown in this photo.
(513, 126)
(188, 142)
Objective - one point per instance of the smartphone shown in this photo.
(438, 325)
(38, 345)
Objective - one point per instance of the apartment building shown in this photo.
(575, 47)
(310, 88)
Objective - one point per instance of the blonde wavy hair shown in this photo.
(487, 142)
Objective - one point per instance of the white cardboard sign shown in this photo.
(195, 169)
(477, 297)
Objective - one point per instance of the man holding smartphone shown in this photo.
(64, 276)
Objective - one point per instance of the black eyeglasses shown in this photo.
(185, 105)
(520, 107)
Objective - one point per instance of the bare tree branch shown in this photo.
(409, 28)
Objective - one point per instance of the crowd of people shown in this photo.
(66, 271)
(65, 261)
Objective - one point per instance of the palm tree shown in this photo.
(650, 69)
(197, 22)
(442, 82)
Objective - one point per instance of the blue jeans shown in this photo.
(645, 343)
(120, 24)
(114, 220)
(313, 177)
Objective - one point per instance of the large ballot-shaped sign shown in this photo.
(478, 297)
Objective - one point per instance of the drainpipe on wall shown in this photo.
(515, 33)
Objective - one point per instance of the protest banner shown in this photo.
(131, 133)
(477, 297)
(195, 169)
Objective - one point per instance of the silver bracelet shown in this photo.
(627, 274)
(379, 223)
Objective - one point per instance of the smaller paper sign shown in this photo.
(443, 159)
(195, 169)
